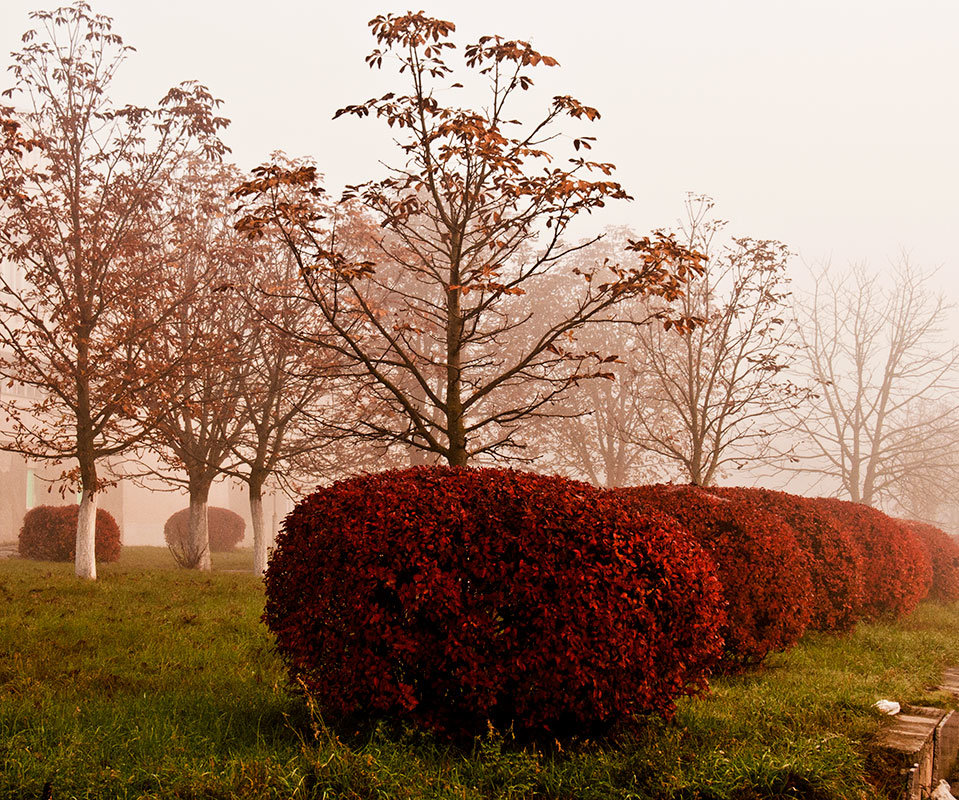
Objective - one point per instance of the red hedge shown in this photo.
(830, 555)
(49, 533)
(896, 570)
(456, 597)
(225, 527)
(757, 561)
(943, 552)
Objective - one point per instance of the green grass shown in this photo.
(138, 559)
(157, 682)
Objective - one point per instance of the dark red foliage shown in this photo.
(896, 571)
(49, 533)
(225, 528)
(758, 563)
(829, 553)
(943, 552)
(458, 597)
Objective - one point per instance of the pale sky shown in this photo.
(831, 125)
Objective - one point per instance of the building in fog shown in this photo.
(140, 511)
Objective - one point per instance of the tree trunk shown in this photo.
(457, 454)
(455, 424)
(85, 565)
(198, 534)
(260, 539)
(85, 559)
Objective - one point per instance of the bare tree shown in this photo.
(593, 434)
(725, 380)
(886, 372)
(79, 180)
(425, 319)
(928, 486)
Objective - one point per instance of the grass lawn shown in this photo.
(158, 682)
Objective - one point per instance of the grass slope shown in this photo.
(160, 683)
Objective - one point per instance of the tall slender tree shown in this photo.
(80, 178)
(296, 407)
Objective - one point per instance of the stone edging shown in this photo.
(921, 744)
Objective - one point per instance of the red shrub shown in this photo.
(943, 552)
(49, 533)
(896, 572)
(830, 556)
(225, 527)
(456, 597)
(757, 562)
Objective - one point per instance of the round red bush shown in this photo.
(830, 556)
(49, 533)
(455, 598)
(758, 563)
(943, 552)
(225, 529)
(896, 572)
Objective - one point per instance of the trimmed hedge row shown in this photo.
(764, 580)
(896, 571)
(943, 553)
(49, 533)
(863, 563)
(456, 598)
(828, 551)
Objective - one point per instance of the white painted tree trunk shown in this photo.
(85, 564)
(198, 532)
(260, 538)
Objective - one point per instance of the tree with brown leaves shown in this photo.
(80, 178)
(199, 410)
(470, 219)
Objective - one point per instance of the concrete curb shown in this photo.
(920, 745)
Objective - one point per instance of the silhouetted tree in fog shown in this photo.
(300, 413)
(928, 485)
(726, 381)
(200, 412)
(592, 432)
(885, 374)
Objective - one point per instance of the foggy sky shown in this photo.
(832, 125)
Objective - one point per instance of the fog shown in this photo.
(828, 126)
(828, 131)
